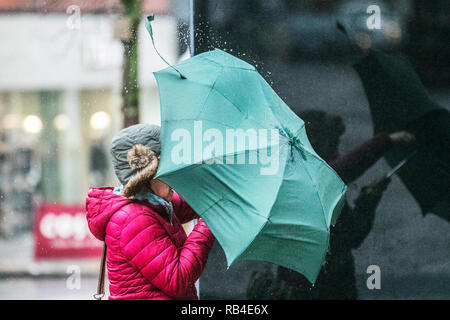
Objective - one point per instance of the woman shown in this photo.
(149, 255)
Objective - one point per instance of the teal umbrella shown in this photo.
(241, 159)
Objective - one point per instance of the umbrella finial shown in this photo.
(293, 141)
(148, 26)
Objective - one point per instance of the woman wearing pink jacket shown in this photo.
(149, 255)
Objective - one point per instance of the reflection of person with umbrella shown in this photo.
(399, 101)
(336, 280)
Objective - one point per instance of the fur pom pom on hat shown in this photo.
(135, 151)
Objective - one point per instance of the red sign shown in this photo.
(61, 231)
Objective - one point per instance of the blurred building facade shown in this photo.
(60, 99)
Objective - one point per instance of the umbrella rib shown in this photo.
(224, 96)
(316, 156)
(254, 238)
(209, 93)
(316, 189)
(321, 204)
(310, 241)
(260, 82)
(227, 66)
(268, 218)
(251, 119)
(239, 196)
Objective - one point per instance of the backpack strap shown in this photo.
(101, 276)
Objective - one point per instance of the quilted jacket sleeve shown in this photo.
(148, 248)
(183, 211)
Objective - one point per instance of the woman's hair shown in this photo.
(142, 159)
(134, 154)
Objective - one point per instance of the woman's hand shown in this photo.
(371, 194)
(378, 186)
(161, 189)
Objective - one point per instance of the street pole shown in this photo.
(191, 53)
(191, 28)
(200, 21)
(130, 85)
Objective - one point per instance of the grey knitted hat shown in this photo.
(135, 151)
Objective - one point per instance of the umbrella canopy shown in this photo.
(241, 158)
(399, 101)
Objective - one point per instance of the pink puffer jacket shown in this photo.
(147, 256)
